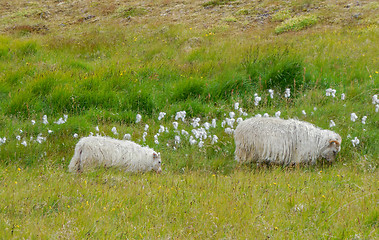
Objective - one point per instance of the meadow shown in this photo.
(178, 77)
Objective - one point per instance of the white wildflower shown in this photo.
(229, 131)
(24, 143)
(364, 118)
(332, 124)
(192, 141)
(258, 115)
(355, 142)
(207, 125)
(175, 125)
(127, 136)
(232, 114)
(195, 122)
(156, 142)
(41, 139)
(304, 113)
(353, 117)
(144, 134)
(201, 144)
(161, 115)
(177, 139)
(138, 118)
(214, 123)
(236, 106)
(266, 115)
(239, 120)
(33, 122)
(377, 108)
(277, 114)
(223, 123)
(18, 137)
(375, 99)
(75, 135)
(97, 129)
(271, 93)
(298, 207)
(155, 136)
(161, 129)
(44, 120)
(287, 93)
(180, 115)
(230, 121)
(146, 127)
(328, 91)
(214, 139)
(184, 132)
(343, 96)
(257, 99)
(114, 131)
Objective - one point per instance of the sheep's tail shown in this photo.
(75, 163)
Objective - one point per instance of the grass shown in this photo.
(273, 203)
(296, 23)
(147, 58)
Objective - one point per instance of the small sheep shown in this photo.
(286, 142)
(99, 151)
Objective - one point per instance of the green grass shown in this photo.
(296, 23)
(104, 74)
(333, 202)
(214, 3)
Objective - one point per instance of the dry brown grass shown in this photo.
(257, 14)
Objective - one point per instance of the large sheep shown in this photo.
(99, 151)
(286, 142)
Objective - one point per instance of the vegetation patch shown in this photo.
(296, 23)
(127, 12)
(214, 3)
(281, 15)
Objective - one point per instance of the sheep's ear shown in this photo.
(334, 142)
(155, 155)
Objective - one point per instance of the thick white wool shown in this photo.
(100, 151)
(278, 141)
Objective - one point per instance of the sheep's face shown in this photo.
(330, 151)
(157, 163)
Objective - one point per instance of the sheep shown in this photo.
(284, 142)
(97, 151)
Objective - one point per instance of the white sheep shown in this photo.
(100, 151)
(286, 142)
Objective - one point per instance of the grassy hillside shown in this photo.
(101, 63)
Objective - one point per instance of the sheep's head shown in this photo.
(333, 147)
(157, 163)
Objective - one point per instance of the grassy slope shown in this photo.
(102, 63)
